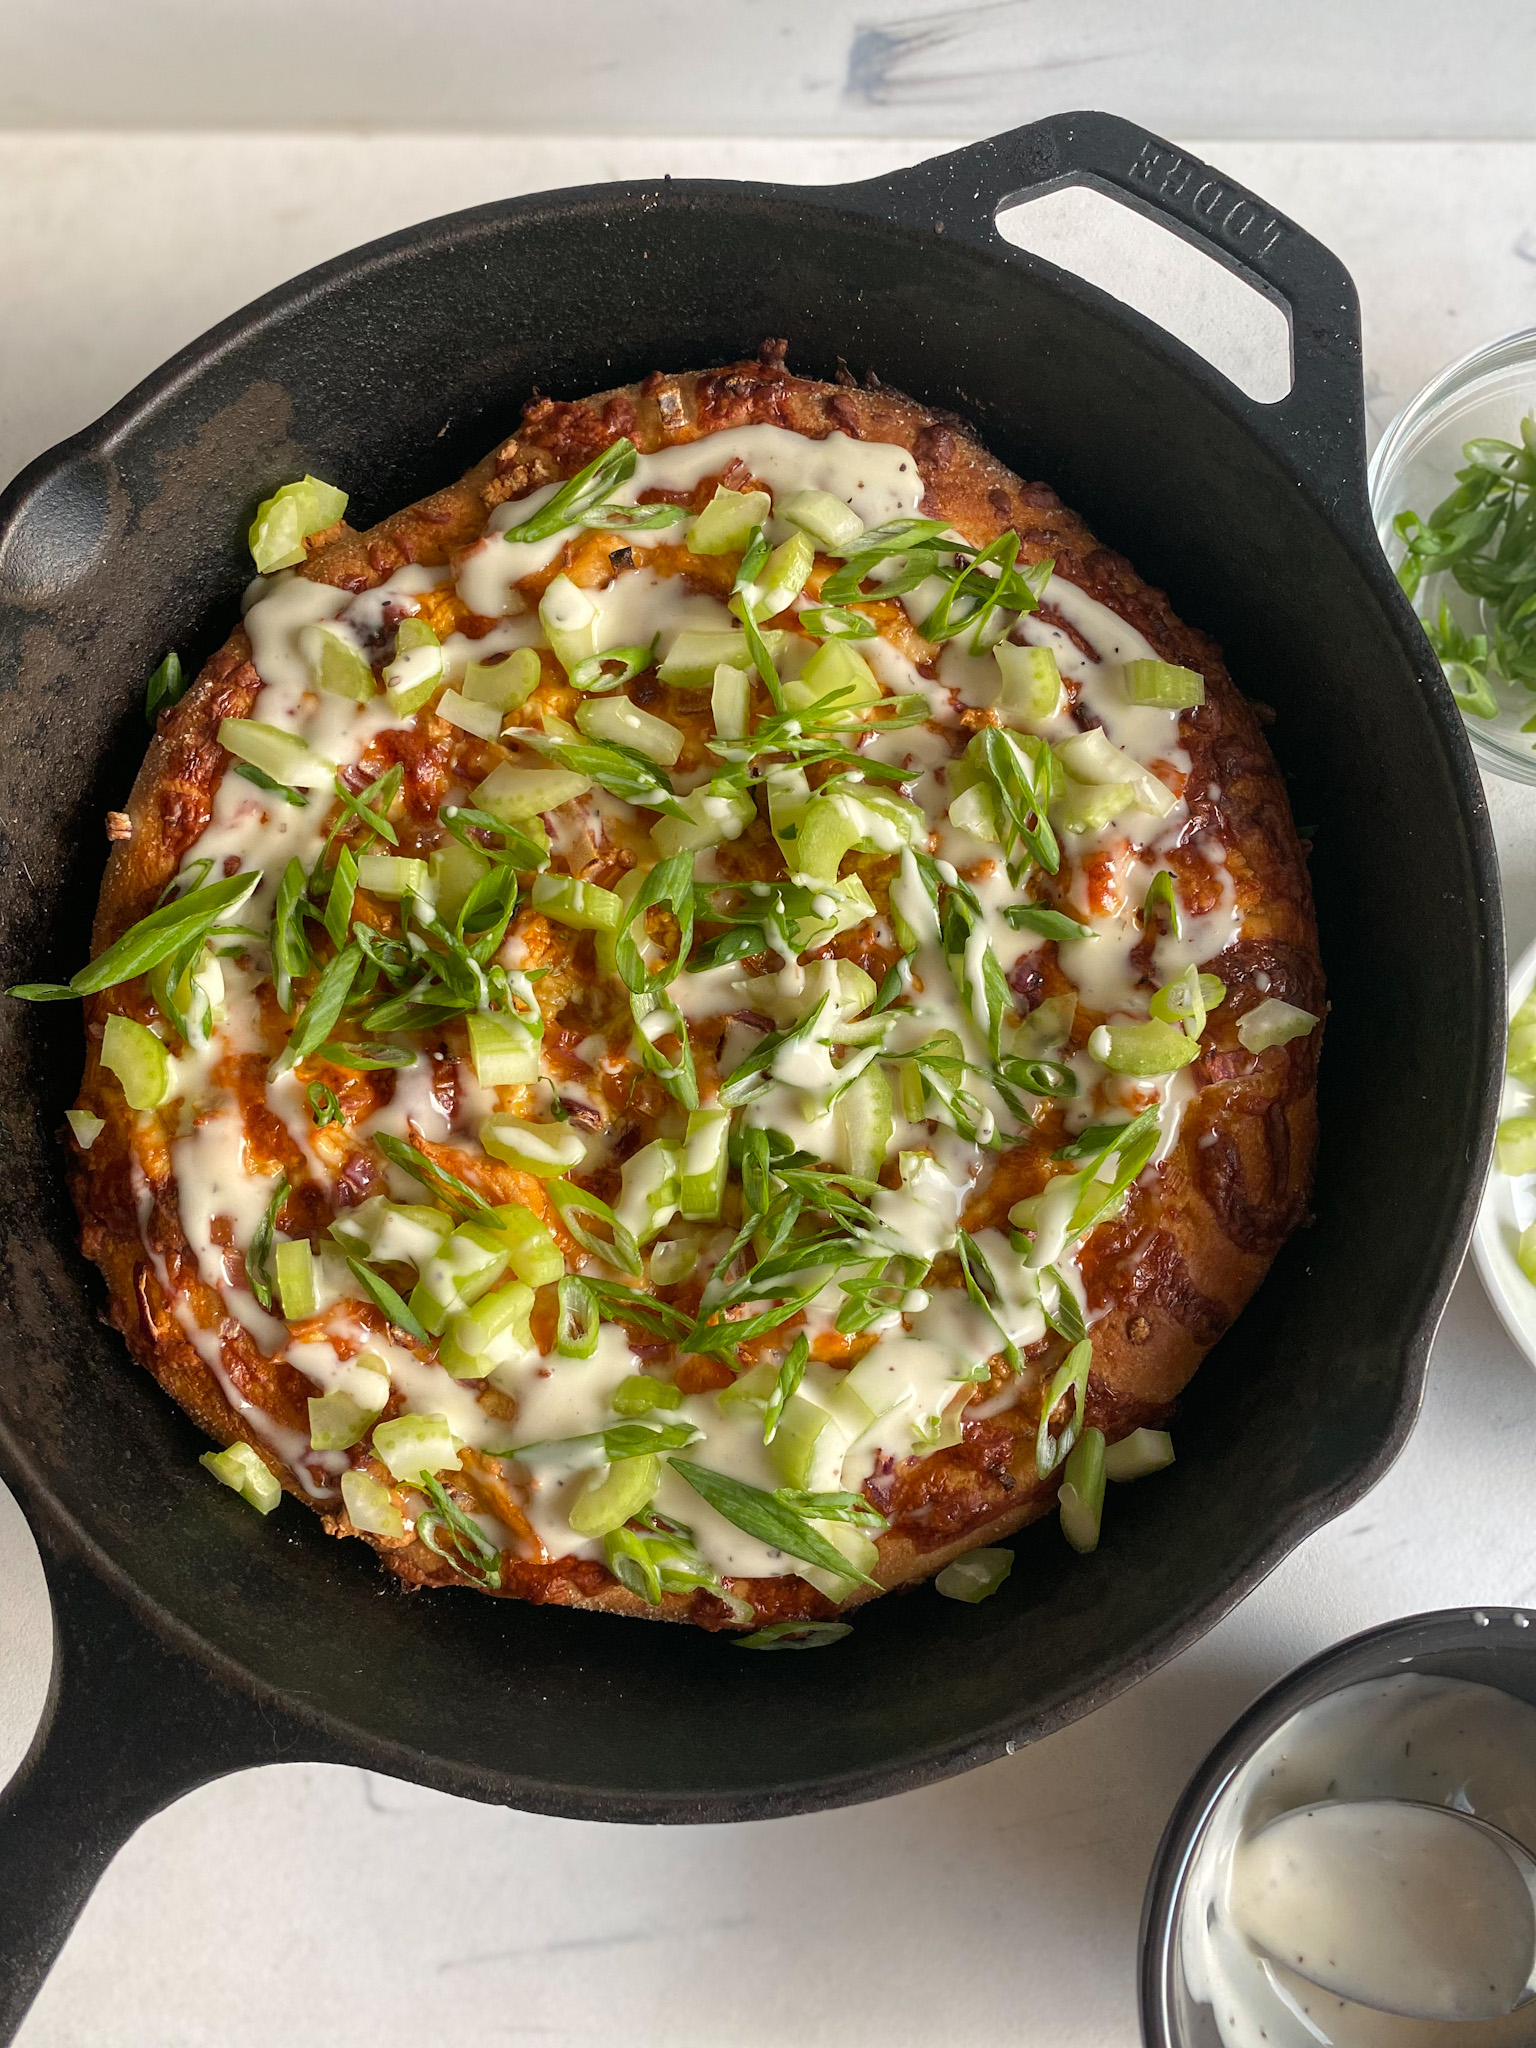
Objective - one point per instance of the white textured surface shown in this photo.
(306, 1904)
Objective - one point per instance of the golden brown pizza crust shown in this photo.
(1173, 1270)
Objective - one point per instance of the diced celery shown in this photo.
(1093, 757)
(784, 575)
(851, 906)
(86, 1128)
(752, 1389)
(825, 518)
(1164, 684)
(975, 1576)
(617, 719)
(389, 1232)
(649, 1189)
(416, 1446)
(695, 654)
(495, 1329)
(1521, 1058)
(285, 521)
(417, 668)
(701, 1182)
(826, 833)
(536, 1259)
(337, 1422)
(860, 1551)
(506, 684)
(1030, 691)
(726, 524)
(276, 752)
(1525, 1253)
(141, 1063)
(866, 1123)
(244, 1471)
(639, 1394)
(974, 810)
(1082, 1491)
(545, 1149)
(466, 1265)
(452, 871)
(789, 795)
(731, 702)
(1089, 806)
(834, 670)
(1142, 1049)
(912, 1100)
(1135, 1456)
(607, 1503)
(672, 1259)
(1046, 1029)
(513, 794)
(569, 619)
(369, 1506)
(337, 663)
(483, 720)
(391, 875)
(294, 1266)
(1516, 1151)
(581, 905)
(1273, 1023)
(795, 1441)
(711, 821)
(504, 1051)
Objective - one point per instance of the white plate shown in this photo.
(1509, 1206)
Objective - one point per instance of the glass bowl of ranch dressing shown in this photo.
(1325, 1874)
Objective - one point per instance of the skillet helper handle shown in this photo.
(1318, 428)
(129, 1726)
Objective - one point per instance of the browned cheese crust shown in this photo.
(1171, 1272)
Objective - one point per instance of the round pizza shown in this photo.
(703, 1023)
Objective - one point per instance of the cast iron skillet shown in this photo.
(389, 370)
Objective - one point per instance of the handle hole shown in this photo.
(1208, 307)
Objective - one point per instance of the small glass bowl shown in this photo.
(1486, 394)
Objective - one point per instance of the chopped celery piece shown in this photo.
(1082, 1491)
(1093, 757)
(581, 905)
(835, 671)
(616, 719)
(826, 833)
(504, 684)
(413, 1447)
(1516, 1151)
(1525, 1253)
(369, 1506)
(695, 654)
(783, 576)
(1521, 1058)
(285, 521)
(860, 1550)
(607, 1503)
(276, 752)
(1142, 1049)
(1164, 684)
(728, 521)
(545, 1149)
(514, 794)
(569, 619)
(1273, 1023)
(711, 820)
(639, 1394)
(392, 875)
(731, 702)
(975, 1576)
(504, 1051)
(468, 1263)
(494, 1330)
(701, 1182)
(141, 1063)
(649, 1190)
(1030, 690)
(86, 1128)
(974, 810)
(452, 871)
(825, 518)
(1089, 807)
(672, 1260)
(866, 1122)
(337, 1422)
(483, 720)
(391, 1232)
(294, 1267)
(789, 795)
(1135, 1456)
(338, 664)
(417, 668)
(795, 1441)
(244, 1471)
(535, 1257)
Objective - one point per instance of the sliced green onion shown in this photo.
(417, 668)
(1273, 1023)
(1525, 1253)
(639, 1394)
(258, 1256)
(1187, 998)
(694, 656)
(323, 1106)
(276, 752)
(607, 1503)
(672, 1260)
(144, 1068)
(1143, 1452)
(1071, 1376)
(588, 487)
(1164, 684)
(1162, 901)
(785, 1386)
(731, 702)
(391, 875)
(975, 1576)
(86, 1128)
(261, 780)
(415, 1447)
(593, 676)
(581, 905)
(285, 521)
(1030, 689)
(576, 1330)
(388, 1302)
(340, 897)
(1082, 1492)
(337, 663)
(1521, 1057)
(624, 724)
(1142, 1049)
(294, 1267)
(482, 720)
(317, 1019)
(763, 1515)
(701, 1183)
(167, 686)
(1049, 923)
(547, 1150)
(1516, 1150)
(244, 1471)
(369, 1506)
(728, 522)
(824, 517)
(834, 622)
(795, 1635)
(505, 684)
(337, 1422)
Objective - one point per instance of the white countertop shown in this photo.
(304, 1903)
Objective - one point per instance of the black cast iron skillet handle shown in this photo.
(1318, 428)
(128, 1727)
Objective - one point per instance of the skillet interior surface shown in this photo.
(389, 372)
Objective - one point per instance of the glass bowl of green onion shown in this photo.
(1504, 1242)
(1453, 494)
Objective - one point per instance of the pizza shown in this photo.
(702, 1024)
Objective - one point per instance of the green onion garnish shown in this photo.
(258, 1259)
(765, 1516)
(167, 686)
(589, 486)
(795, 1635)
(176, 926)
